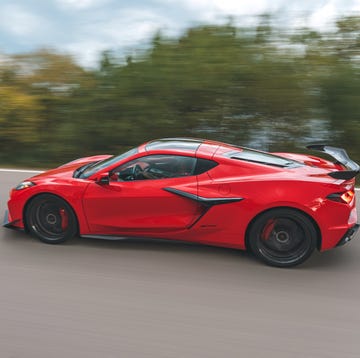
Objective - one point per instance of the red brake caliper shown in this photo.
(269, 227)
(64, 219)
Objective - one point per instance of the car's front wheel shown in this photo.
(51, 219)
(282, 237)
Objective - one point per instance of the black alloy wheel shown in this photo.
(51, 219)
(282, 237)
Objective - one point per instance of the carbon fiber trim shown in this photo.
(342, 157)
(204, 201)
(8, 224)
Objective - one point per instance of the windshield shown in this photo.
(105, 163)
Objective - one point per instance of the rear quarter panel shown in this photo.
(265, 188)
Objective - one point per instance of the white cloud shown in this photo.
(207, 10)
(86, 52)
(87, 27)
(325, 15)
(80, 4)
(254, 7)
(124, 30)
(322, 11)
(20, 22)
(130, 26)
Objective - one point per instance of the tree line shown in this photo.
(264, 86)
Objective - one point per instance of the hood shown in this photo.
(85, 160)
(67, 170)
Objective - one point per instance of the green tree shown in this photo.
(261, 86)
(19, 122)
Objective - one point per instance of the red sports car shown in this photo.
(281, 206)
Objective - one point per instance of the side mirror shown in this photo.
(103, 179)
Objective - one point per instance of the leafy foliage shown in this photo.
(260, 86)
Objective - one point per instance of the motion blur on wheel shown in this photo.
(281, 206)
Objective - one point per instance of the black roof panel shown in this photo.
(188, 144)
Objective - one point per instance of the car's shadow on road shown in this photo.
(343, 257)
(131, 244)
(160, 246)
(337, 258)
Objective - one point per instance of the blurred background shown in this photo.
(269, 79)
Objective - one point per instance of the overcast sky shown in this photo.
(84, 28)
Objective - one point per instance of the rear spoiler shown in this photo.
(352, 168)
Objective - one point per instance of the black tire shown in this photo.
(282, 237)
(51, 219)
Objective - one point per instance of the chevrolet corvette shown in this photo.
(279, 206)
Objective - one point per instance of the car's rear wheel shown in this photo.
(51, 219)
(282, 237)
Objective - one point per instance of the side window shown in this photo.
(155, 167)
(204, 165)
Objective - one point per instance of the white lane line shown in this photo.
(20, 170)
(357, 189)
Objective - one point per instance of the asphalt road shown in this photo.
(136, 298)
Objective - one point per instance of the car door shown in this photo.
(135, 199)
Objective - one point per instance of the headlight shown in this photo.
(24, 185)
